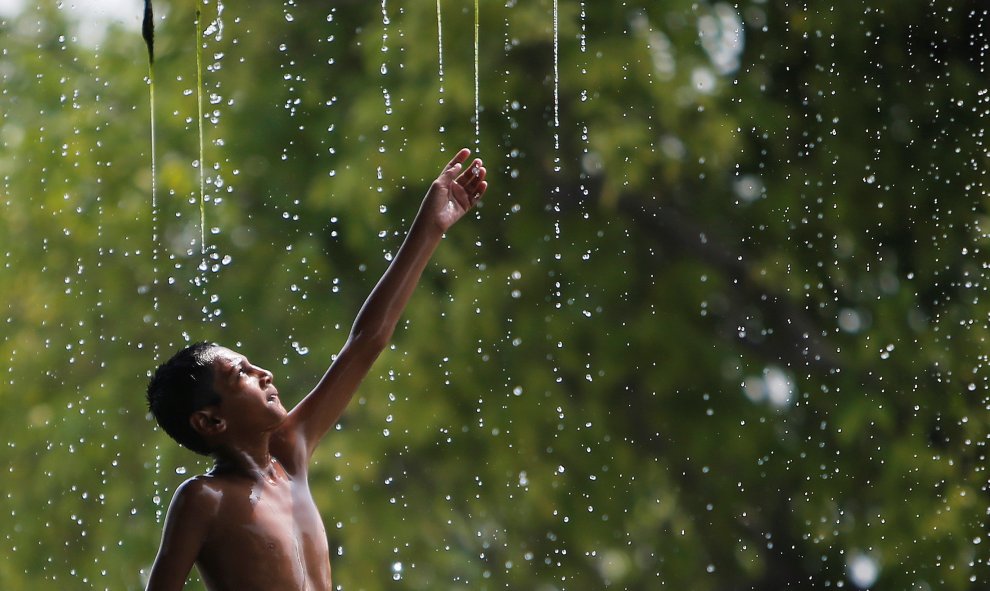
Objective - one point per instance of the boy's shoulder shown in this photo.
(201, 495)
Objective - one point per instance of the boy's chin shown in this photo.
(277, 408)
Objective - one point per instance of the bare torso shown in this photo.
(263, 534)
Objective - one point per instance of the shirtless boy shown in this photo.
(250, 522)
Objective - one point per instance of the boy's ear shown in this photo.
(207, 421)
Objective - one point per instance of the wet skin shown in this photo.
(250, 523)
(265, 535)
(264, 530)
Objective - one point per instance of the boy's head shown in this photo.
(180, 387)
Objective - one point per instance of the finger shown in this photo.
(454, 167)
(458, 160)
(477, 174)
(477, 185)
(480, 190)
(471, 173)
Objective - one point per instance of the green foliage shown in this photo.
(718, 324)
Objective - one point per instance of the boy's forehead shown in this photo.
(222, 356)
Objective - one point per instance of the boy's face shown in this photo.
(248, 396)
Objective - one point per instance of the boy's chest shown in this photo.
(274, 527)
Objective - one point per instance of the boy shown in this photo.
(250, 522)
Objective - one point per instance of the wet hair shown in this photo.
(181, 386)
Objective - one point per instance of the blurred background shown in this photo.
(719, 324)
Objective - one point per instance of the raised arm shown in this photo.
(451, 195)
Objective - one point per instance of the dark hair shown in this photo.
(181, 386)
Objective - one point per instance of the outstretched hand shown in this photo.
(455, 191)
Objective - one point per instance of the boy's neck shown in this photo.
(255, 462)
